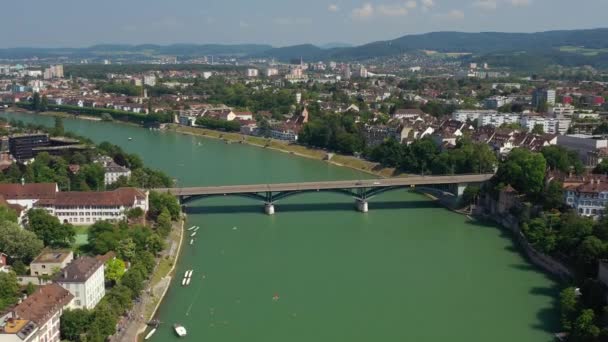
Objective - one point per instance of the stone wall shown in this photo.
(489, 210)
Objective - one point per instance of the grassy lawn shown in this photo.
(82, 236)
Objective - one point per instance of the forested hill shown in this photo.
(592, 44)
(476, 43)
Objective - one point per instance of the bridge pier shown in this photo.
(269, 208)
(362, 205)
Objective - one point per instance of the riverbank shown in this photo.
(157, 287)
(294, 149)
(351, 162)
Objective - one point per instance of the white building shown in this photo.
(252, 72)
(36, 318)
(589, 199)
(54, 71)
(74, 206)
(463, 115)
(113, 172)
(84, 278)
(499, 119)
(550, 125)
(150, 80)
(272, 72)
(562, 110)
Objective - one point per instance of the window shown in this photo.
(78, 302)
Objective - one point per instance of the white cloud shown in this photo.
(333, 8)
(364, 12)
(427, 5)
(392, 10)
(520, 3)
(455, 14)
(411, 4)
(486, 4)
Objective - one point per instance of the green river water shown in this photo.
(406, 271)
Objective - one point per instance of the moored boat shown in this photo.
(180, 330)
(150, 334)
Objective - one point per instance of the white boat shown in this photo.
(186, 274)
(184, 281)
(191, 241)
(197, 228)
(191, 227)
(180, 330)
(188, 281)
(190, 273)
(150, 334)
(130, 138)
(193, 234)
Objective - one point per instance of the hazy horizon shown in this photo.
(76, 23)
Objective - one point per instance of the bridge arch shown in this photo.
(255, 196)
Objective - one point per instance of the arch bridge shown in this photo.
(360, 190)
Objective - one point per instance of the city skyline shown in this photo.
(279, 23)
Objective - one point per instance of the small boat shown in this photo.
(186, 274)
(130, 138)
(188, 281)
(190, 273)
(150, 334)
(184, 281)
(191, 241)
(197, 228)
(180, 330)
(191, 227)
(193, 234)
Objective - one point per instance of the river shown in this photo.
(320, 271)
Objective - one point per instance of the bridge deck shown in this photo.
(327, 185)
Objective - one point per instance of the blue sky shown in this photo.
(74, 23)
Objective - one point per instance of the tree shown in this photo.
(59, 129)
(561, 159)
(135, 213)
(119, 298)
(74, 324)
(36, 102)
(104, 237)
(589, 252)
(568, 307)
(158, 201)
(524, 170)
(540, 234)
(103, 322)
(48, 228)
(115, 269)
(538, 129)
(133, 280)
(553, 196)
(126, 249)
(164, 222)
(7, 214)
(584, 328)
(9, 289)
(18, 243)
(19, 267)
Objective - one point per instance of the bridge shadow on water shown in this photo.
(304, 207)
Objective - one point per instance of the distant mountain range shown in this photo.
(585, 46)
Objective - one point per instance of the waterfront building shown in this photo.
(76, 207)
(49, 261)
(22, 146)
(85, 279)
(37, 317)
(589, 199)
(113, 171)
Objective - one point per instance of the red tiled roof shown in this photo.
(121, 196)
(44, 303)
(28, 191)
